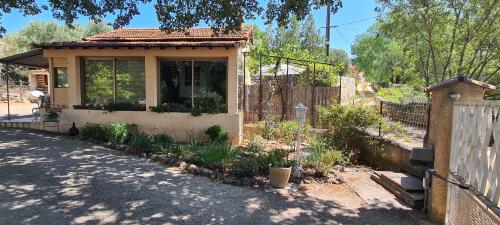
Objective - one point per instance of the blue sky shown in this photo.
(341, 37)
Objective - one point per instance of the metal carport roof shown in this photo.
(32, 58)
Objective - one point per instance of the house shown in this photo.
(135, 71)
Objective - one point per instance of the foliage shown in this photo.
(322, 157)
(116, 132)
(45, 32)
(217, 134)
(400, 93)
(161, 142)
(210, 102)
(345, 124)
(278, 158)
(215, 155)
(435, 40)
(196, 111)
(93, 132)
(51, 115)
(173, 15)
(169, 107)
(244, 167)
(287, 131)
(140, 142)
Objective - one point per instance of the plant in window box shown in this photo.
(51, 117)
(279, 168)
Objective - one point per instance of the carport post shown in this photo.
(4, 71)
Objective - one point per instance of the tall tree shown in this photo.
(172, 14)
(447, 37)
(44, 32)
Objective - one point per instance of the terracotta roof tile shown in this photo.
(193, 34)
(148, 44)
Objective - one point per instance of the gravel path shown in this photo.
(47, 179)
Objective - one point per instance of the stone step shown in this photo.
(414, 199)
(405, 181)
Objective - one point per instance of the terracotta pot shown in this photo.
(279, 176)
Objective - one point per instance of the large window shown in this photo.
(114, 81)
(60, 77)
(185, 84)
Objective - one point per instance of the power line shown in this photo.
(342, 36)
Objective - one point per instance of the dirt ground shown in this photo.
(17, 110)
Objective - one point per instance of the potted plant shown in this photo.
(279, 168)
(51, 117)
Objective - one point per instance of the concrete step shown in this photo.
(407, 192)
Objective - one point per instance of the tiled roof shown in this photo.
(141, 44)
(457, 79)
(193, 34)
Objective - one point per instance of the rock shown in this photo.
(121, 147)
(183, 165)
(340, 180)
(247, 181)
(108, 145)
(144, 155)
(206, 172)
(193, 169)
(229, 180)
(155, 157)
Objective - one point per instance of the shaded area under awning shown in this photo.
(32, 58)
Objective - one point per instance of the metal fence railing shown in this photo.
(414, 114)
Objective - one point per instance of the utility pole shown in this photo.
(327, 40)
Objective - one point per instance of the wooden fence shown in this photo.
(412, 113)
(265, 100)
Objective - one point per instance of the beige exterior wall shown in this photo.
(73, 95)
(181, 126)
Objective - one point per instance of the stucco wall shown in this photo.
(181, 126)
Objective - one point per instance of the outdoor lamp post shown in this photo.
(300, 116)
(245, 52)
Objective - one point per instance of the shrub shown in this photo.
(162, 142)
(217, 134)
(93, 132)
(215, 155)
(401, 93)
(286, 131)
(278, 158)
(139, 142)
(244, 167)
(116, 132)
(322, 158)
(346, 125)
(195, 111)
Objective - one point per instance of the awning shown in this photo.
(32, 58)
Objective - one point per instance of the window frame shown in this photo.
(55, 76)
(104, 58)
(193, 60)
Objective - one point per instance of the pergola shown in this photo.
(33, 58)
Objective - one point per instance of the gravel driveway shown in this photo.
(48, 179)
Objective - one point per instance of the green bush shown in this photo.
(400, 93)
(244, 167)
(139, 142)
(278, 158)
(346, 125)
(217, 134)
(93, 132)
(322, 158)
(162, 143)
(116, 132)
(286, 131)
(215, 155)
